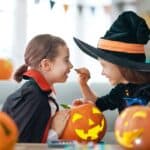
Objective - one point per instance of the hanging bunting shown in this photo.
(36, 1)
(52, 3)
(120, 5)
(108, 9)
(92, 9)
(80, 8)
(66, 6)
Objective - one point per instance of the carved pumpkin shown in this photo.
(6, 69)
(86, 123)
(132, 128)
(8, 132)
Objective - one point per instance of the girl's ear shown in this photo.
(45, 64)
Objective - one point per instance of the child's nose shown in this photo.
(71, 66)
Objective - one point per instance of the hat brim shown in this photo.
(100, 53)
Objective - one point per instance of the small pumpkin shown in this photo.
(132, 128)
(6, 69)
(86, 123)
(8, 132)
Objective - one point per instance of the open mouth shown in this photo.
(128, 138)
(92, 133)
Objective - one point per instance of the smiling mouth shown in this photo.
(92, 133)
(128, 138)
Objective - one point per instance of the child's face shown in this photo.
(111, 71)
(61, 65)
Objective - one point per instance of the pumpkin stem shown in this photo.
(65, 106)
(7, 131)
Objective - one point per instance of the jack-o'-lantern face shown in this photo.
(132, 126)
(86, 123)
(8, 132)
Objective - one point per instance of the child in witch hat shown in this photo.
(121, 54)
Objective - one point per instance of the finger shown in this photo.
(66, 112)
(66, 117)
(77, 102)
(81, 70)
(83, 74)
(77, 70)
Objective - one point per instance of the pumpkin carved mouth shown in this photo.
(92, 133)
(128, 138)
(5, 128)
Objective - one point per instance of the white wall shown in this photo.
(24, 19)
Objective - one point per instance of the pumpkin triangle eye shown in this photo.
(91, 122)
(76, 117)
(95, 111)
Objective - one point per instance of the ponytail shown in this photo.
(19, 73)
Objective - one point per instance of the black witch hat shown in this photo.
(123, 44)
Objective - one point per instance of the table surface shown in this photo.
(27, 146)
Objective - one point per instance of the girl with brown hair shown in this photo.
(122, 57)
(34, 104)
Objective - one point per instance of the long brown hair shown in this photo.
(134, 76)
(40, 47)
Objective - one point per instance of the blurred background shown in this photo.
(88, 20)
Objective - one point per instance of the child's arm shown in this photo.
(59, 121)
(84, 76)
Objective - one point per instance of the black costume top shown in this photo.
(124, 95)
(30, 109)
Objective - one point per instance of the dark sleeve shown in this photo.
(112, 100)
(24, 107)
(143, 93)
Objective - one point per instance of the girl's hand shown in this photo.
(84, 75)
(77, 102)
(59, 121)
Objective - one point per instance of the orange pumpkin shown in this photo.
(132, 128)
(86, 123)
(6, 69)
(8, 132)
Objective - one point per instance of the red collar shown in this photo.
(39, 79)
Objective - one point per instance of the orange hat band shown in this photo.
(120, 46)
